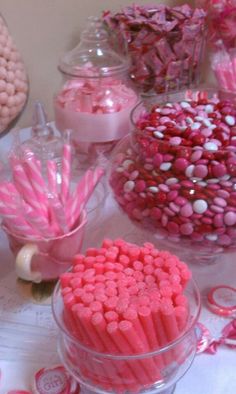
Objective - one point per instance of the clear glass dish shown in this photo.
(111, 373)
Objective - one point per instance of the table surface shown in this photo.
(28, 333)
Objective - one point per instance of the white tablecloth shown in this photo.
(28, 332)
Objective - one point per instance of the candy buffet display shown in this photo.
(165, 44)
(96, 98)
(13, 79)
(126, 315)
(176, 175)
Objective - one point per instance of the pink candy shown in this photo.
(13, 79)
(188, 191)
(159, 38)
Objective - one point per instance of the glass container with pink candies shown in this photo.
(13, 80)
(96, 97)
(176, 174)
(165, 44)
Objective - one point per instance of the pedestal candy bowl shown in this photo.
(176, 174)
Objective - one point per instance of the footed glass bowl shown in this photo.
(153, 372)
(176, 174)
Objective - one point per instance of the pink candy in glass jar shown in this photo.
(96, 98)
(13, 79)
(176, 175)
(165, 44)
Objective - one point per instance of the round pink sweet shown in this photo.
(200, 171)
(230, 218)
(157, 160)
(186, 210)
(140, 186)
(186, 228)
(224, 240)
(218, 220)
(219, 170)
(181, 164)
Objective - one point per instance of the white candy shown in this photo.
(153, 189)
(165, 166)
(169, 105)
(127, 163)
(195, 126)
(171, 181)
(210, 146)
(211, 237)
(184, 104)
(230, 120)
(189, 170)
(189, 120)
(199, 118)
(200, 206)
(207, 122)
(129, 186)
(158, 134)
(209, 108)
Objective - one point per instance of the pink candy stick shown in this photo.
(57, 215)
(181, 314)
(169, 321)
(131, 315)
(82, 194)
(39, 223)
(34, 172)
(124, 348)
(150, 370)
(52, 177)
(24, 186)
(66, 173)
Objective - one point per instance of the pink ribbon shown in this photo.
(228, 338)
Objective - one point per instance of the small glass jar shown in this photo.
(13, 80)
(153, 372)
(96, 98)
(184, 193)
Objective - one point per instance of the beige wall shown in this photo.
(45, 29)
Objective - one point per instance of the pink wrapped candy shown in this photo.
(13, 79)
(165, 43)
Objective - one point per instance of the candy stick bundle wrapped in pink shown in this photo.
(123, 299)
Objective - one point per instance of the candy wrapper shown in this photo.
(165, 44)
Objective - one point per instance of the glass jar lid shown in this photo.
(93, 57)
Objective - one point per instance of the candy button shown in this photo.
(203, 337)
(222, 300)
(52, 381)
(209, 108)
(210, 146)
(230, 120)
(184, 104)
(200, 206)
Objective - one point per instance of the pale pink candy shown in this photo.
(34, 172)
(81, 195)
(66, 173)
(13, 79)
(230, 218)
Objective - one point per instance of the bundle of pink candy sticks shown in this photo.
(124, 299)
(36, 206)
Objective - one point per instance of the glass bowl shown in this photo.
(153, 372)
(185, 195)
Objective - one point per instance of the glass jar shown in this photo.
(153, 372)
(13, 80)
(165, 44)
(96, 98)
(176, 174)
